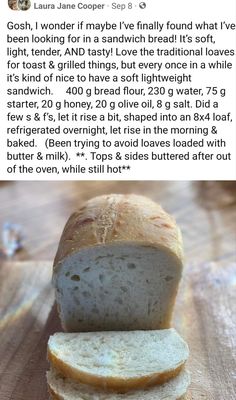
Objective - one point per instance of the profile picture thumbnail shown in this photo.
(19, 5)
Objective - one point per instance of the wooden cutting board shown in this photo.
(204, 315)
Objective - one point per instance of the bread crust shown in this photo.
(111, 383)
(56, 396)
(118, 218)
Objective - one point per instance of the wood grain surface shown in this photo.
(204, 316)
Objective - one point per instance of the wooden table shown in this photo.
(206, 307)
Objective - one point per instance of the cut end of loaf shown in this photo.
(117, 287)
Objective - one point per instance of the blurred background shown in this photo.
(205, 212)
(36, 212)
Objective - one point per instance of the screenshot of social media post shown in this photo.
(118, 90)
(117, 200)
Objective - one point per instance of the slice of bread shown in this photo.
(118, 266)
(118, 360)
(64, 389)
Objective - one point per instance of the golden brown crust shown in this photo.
(115, 218)
(55, 396)
(116, 384)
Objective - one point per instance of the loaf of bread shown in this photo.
(62, 388)
(118, 360)
(118, 266)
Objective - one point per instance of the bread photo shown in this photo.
(116, 275)
(118, 266)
